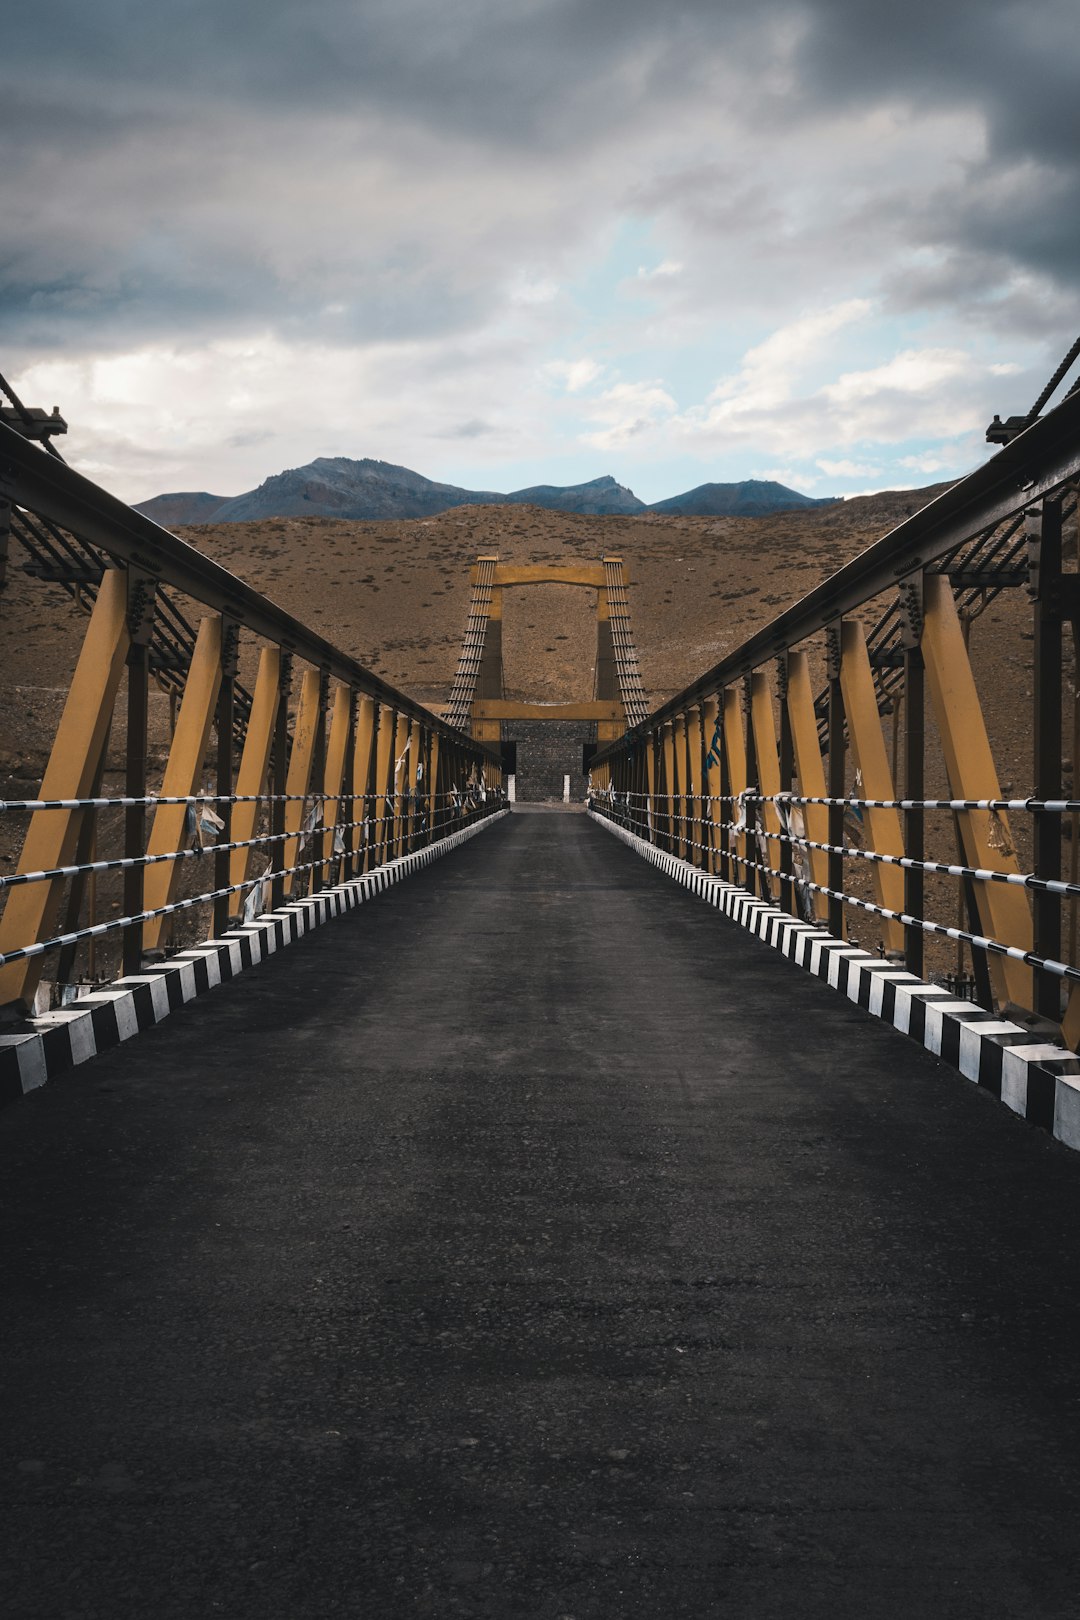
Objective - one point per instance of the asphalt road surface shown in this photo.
(534, 1243)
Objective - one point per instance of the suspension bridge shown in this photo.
(667, 1208)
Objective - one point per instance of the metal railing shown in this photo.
(772, 770)
(316, 769)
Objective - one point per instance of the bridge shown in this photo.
(419, 1206)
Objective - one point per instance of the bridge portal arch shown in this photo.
(478, 698)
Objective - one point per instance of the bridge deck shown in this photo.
(535, 1243)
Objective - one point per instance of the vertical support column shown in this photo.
(301, 759)
(914, 788)
(767, 760)
(837, 782)
(349, 812)
(384, 770)
(361, 775)
(911, 618)
(735, 756)
(713, 809)
(230, 647)
(281, 779)
(787, 776)
(183, 771)
(681, 806)
(319, 844)
(142, 595)
(1044, 562)
(399, 768)
(334, 771)
(695, 768)
(435, 807)
(254, 763)
(651, 828)
(415, 786)
(986, 837)
(76, 758)
(668, 758)
(811, 769)
(756, 881)
(872, 764)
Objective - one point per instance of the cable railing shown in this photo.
(641, 814)
(282, 750)
(458, 809)
(772, 770)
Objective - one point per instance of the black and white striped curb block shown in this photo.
(60, 1040)
(1037, 1080)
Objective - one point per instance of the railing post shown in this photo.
(254, 765)
(667, 732)
(872, 764)
(76, 758)
(337, 745)
(767, 768)
(281, 779)
(434, 810)
(695, 750)
(735, 758)
(298, 782)
(972, 774)
(652, 777)
(787, 776)
(811, 769)
(756, 881)
(230, 645)
(348, 788)
(911, 613)
(1044, 555)
(713, 815)
(384, 767)
(679, 783)
(363, 751)
(142, 595)
(183, 773)
(837, 774)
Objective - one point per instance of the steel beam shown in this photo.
(972, 774)
(255, 761)
(1037, 463)
(872, 764)
(183, 773)
(64, 497)
(31, 910)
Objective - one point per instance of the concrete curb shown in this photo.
(60, 1040)
(1036, 1080)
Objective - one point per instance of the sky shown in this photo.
(506, 242)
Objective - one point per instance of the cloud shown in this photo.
(626, 412)
(431, 201)
(574, 375)
(847, 469)
(660, 272)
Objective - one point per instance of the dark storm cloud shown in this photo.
(208, 166)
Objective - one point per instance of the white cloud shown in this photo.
(573, 374)
(770, 370)
(661, 272)
(847, 469)
(627, 412)
(917, 394)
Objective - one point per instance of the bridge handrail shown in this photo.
(1038, 462)
(74, 502)
(740, 734)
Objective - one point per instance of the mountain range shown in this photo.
(335, 486)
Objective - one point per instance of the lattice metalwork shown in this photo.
(631, 690)
(463, 691)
